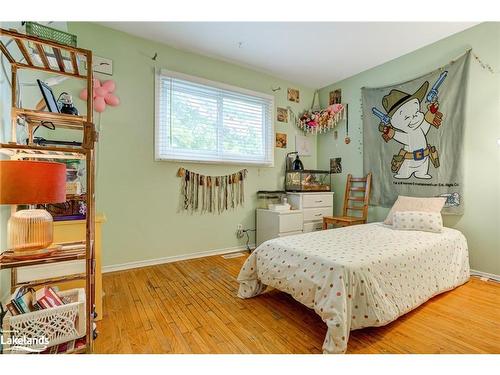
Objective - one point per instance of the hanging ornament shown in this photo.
(347, 140)
(316, 120)
(320, 121)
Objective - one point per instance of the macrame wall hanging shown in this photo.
(200, 193)
(316, 120)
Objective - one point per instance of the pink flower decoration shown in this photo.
(102, 95)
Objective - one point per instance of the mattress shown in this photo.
(358, 276)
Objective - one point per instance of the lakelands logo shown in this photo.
(24, 344)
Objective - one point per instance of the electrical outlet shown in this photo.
(239, 231)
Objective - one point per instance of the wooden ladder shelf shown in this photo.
(34, 54)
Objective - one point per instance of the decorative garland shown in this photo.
(211, 193)
(320, 121)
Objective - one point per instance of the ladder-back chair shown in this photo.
(356, 199)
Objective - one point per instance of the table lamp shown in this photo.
(30, 232)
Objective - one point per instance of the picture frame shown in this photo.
(335, 165)
(48, 97)
(282, 114)
(303, 145)
(335, 97)
(281, 140)
(293, 95)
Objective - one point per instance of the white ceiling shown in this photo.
(314, 54)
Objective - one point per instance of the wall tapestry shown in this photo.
(211, 193)
(413, 136)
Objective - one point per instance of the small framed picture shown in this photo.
(303, 145)
(293, 95)
(281, 140)
(282, 114)
(335, 97)
(336, 165)
(48, 96)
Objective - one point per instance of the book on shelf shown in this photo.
(12, 309)
(47, 297)
(25, 300)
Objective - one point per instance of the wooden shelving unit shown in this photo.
(69, 251)
(16, 153)
(31, 119)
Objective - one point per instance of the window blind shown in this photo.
(205, 121)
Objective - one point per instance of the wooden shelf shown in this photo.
(76, 197)
(70, 251)
(30, 46)
(59, 120)
(16, 152)
(50, 281)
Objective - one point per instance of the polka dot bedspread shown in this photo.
(358, 276)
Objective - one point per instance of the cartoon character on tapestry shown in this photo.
(407, 120)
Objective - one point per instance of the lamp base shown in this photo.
(30, 231)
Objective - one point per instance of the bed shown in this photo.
(358, 276)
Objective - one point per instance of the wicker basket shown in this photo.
(58, 324)
(49, 33)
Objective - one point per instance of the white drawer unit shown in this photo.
(314, 214)
(312, 227)
(274, 224)
(314, 200)
(313, 206)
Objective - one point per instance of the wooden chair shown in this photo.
(357, 190)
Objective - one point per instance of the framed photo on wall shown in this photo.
(282, 114)
(281, 140)
(293, 95)
(335, 97)
(303, 145)
(336, 165)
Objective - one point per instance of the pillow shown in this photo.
(415, 204)
(418, 220)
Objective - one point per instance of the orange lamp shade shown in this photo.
(32, 182)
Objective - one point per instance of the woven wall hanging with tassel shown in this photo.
(200, 193)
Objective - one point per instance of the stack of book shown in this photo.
(25, 300)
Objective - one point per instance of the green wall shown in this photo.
(140, 196)
(481, 221)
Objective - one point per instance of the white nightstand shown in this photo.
(273, 224)
(314, 206)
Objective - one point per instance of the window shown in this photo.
(204, 121)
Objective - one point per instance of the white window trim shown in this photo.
(224, 86)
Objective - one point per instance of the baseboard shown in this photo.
(175, 258)
(491, 276)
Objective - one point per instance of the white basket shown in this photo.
(57, 324)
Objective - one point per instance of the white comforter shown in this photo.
(358, 276)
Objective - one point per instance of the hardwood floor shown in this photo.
(191, 307)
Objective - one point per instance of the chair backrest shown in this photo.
(357, 195)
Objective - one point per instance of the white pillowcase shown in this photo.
(415, 204)
(418, 220)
